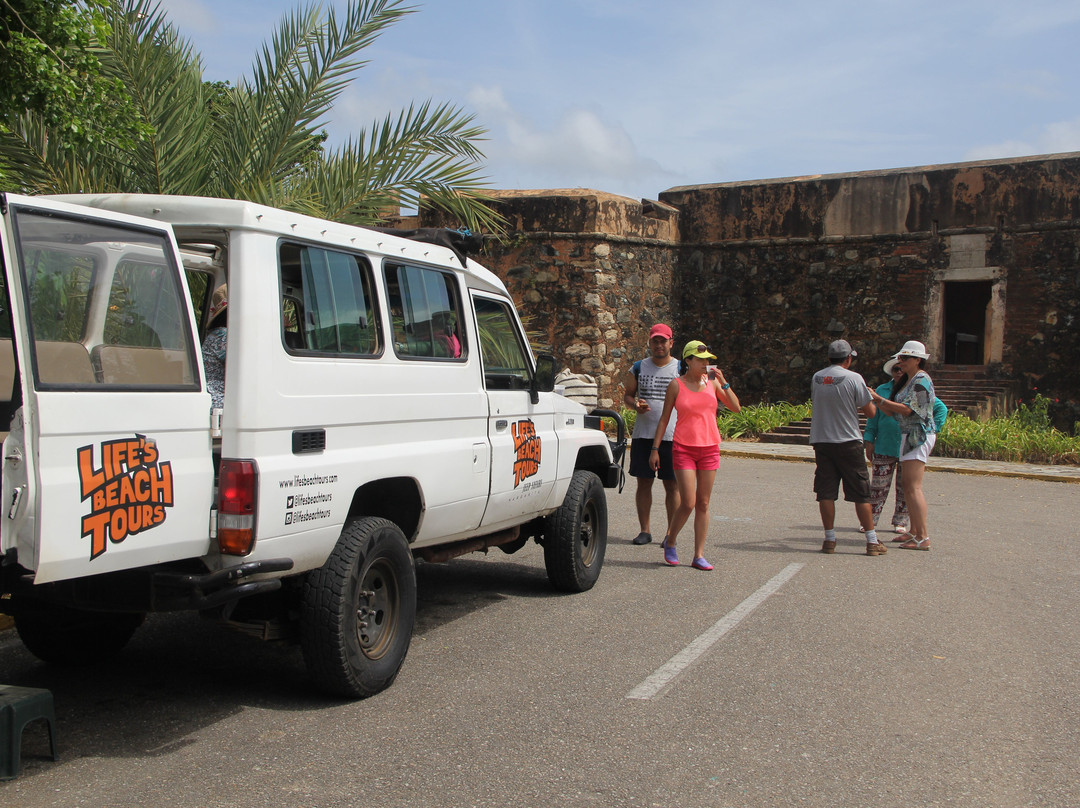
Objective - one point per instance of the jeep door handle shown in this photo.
(502, 423)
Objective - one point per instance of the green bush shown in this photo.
(757, 419)
(751, 421)
(1023, 436)
(1034, 416)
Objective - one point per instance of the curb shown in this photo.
(985, 468)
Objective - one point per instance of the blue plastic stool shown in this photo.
(18, 707)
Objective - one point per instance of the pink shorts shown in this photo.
(701, 458)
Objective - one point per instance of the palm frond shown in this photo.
(164, 76)
(422, 156)
(295, 82)
(38, 163)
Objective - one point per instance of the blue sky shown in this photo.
(635, 97)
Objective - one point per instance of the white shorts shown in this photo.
(920, 453)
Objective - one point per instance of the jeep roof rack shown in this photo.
(463, 242)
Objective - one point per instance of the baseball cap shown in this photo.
(697, 348)
(841, 349)
(660, 330)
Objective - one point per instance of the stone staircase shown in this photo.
(971, 389)
(967, 389)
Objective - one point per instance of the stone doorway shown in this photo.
(967, 314)
(965, 309)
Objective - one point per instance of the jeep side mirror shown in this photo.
(544, 378)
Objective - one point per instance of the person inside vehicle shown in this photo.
(213, 346)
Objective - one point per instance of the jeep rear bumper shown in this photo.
(143, 590)
(176, 591)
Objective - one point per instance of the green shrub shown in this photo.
(757, 419)
(1011, 438)
(1023, 436)
(751, 421)
(1034, 416)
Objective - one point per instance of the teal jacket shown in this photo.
(884, 432)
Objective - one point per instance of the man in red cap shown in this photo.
(645, 388)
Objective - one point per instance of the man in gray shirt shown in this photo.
(646, 386)
(838, 395)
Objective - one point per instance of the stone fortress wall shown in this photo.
(981, 261)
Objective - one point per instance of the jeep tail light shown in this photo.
(237, 484)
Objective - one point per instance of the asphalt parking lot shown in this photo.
(784, 677)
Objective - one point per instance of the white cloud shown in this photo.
(1063, 136)
(577, 148)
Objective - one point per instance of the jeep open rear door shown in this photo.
(107, 465)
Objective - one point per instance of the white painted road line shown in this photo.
(666, 674)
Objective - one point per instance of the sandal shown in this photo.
(916, 544)
(905, 537)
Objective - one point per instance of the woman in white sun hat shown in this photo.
(912, 404)
(882, 440)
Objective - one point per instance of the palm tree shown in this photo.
(261, 140)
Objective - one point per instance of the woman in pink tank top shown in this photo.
(696, 446)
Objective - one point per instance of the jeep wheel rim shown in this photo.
(377, 610)
(587, 533)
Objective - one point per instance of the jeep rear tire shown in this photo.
(64, 635)
(575, 536)
(358, 610)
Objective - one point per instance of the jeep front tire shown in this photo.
(575, 536)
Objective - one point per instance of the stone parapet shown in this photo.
(985, 194)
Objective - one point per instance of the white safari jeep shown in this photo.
(381, 404)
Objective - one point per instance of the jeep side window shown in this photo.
(506, 366)
(105, 306)
(425, 313)
(326, 302)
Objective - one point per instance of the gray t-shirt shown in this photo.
(837, 394)
(652, 385)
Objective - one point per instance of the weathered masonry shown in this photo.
(981, 261)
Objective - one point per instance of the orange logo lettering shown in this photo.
(128, 492)
(527, 447)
